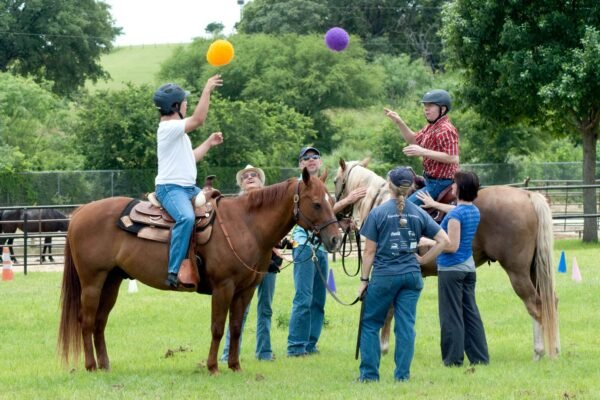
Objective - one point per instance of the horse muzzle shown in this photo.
(331, 239)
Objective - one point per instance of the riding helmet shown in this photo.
(439, 97)
(168, 97)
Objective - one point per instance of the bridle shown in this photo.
(346, 212)
(298, 215)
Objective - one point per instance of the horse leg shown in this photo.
(11, 249)
(90, 300)
(523, 286)
(236, 316)
(108, 298)
(221, 299)
(47, 248)
(385, 332)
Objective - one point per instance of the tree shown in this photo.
(215, 29)
(57, 40)
(385, 26)
(34, 128)
(117, 129)
(536, 62)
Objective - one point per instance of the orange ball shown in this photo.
(220, 53)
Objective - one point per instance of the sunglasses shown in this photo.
(311, 157)
(248, 175)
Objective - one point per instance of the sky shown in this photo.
(170, 21)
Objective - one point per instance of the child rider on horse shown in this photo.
(176, 179)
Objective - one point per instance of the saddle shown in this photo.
(148, 220)
(445, 197)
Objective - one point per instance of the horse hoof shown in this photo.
(213, 371)
(538, 355)
(235, 367)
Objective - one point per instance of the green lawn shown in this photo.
(136, 64)
(145, 325)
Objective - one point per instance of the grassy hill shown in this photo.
(136, 64)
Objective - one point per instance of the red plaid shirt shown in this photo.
(441, 136)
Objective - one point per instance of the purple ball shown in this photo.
(337, 39)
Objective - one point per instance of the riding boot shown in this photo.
(188, 275)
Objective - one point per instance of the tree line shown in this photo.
(524, 77)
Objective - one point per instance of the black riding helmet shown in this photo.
(168, 99)
(439, 97)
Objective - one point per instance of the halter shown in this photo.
(298, 214)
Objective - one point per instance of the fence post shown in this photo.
(25, 241)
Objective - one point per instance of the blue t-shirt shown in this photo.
(396, 244)
(468, 217)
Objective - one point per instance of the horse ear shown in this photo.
(342, 164)
(323, 176)
(365, 162)
(305, 176)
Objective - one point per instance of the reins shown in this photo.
(297, 215)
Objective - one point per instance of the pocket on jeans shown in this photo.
(418, 279)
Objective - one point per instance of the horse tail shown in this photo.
(69, 332)
(544, 272)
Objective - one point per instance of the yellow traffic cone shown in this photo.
(7, 271)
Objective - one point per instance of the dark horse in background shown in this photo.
(40, 220)
(515, 230)
(99, 255)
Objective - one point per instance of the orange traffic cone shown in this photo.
(7, 271)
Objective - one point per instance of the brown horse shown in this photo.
(515, 230)
(99, 255)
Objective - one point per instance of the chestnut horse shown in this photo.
(515, 230)
(99, 255)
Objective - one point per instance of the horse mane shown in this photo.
(268, 195)
(361, 176)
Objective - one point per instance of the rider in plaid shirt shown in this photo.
(437, 143)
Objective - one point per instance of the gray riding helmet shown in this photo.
(168, 97)
(439, 97)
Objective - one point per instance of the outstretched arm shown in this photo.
(352, 198)
(429, 202)
(408, 134)
(201, 110)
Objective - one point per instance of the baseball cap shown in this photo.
(306, 149)
(402, 176)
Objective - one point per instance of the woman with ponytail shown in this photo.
(391, 274)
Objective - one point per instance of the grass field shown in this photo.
(136, 64)
(144, 326)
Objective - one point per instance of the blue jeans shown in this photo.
(308, 307)
(433, 186)
(177, 200)
(402, 291)
(264, 311)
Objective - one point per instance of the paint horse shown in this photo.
(38, 220)
(99, 255)
(515, 230)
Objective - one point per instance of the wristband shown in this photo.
(364, 279)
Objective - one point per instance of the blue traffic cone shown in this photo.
(331, 282)
(562, 264)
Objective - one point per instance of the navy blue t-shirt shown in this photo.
(397, 245)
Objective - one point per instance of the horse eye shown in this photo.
(317, 206)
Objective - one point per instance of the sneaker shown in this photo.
(171, 280)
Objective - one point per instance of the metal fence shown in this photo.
(78, 187)
(565, 201)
